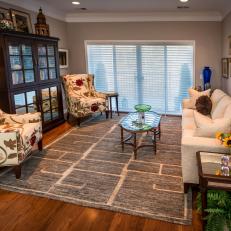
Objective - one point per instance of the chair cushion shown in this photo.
(194, 95)
(220, 108)
(206, 127)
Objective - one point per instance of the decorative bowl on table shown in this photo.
(141, 109)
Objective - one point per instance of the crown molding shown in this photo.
(34, 6)
(145, 17)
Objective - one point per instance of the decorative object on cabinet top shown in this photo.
(41, 27)
(5, 19)
(21, 21)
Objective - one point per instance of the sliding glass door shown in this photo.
(155, 74)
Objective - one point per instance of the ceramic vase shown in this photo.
(207, 73)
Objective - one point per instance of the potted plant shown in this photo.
(218, 209)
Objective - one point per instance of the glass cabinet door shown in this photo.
(47, 62)
(21, 63)
(25, 102)
(50, 106)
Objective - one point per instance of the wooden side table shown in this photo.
(110, 95)
(208, 164)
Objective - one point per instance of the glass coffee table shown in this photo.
(131, 124)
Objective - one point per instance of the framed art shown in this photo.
(63, 58)
(229, 39)
(21, 21)
(5, 14)
(229, 67)
(225, 67)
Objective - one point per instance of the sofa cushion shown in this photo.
(194, 95)
(220, 108)
(206, 127)
(217, 96)
(227, 113)
(204, 105)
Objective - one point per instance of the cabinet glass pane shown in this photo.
(19, 100)
(15, 62)
(31, 97)
(27, 62)
(43, 74)
(46, 105)
(14, 50)
(26, 50)
(42, 62)
(17, 77)
(55, 113)
(50, 50)
(42, 50)
(51, 61)
(54, 102)
(52, 73)
(21, 110)
(29, 76)
(32, 108)
(45, 94)
(53, 91)
(47, 116)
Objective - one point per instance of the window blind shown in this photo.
(154, 74)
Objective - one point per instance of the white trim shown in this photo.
(145, 17)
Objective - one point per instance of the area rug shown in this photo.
(87, 167)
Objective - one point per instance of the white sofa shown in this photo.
(191, 142)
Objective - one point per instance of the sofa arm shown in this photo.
(9, 145)
(22, 119)
(189, 147)
(186, 103)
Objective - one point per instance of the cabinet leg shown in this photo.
(107, 114)
(117, 106)
(17, 171)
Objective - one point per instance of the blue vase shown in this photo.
(207, 73)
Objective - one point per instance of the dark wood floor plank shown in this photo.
(22, 212)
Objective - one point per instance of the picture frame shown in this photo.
(63, 58)
(5, 14)
(21, 21)
(229, 41)
(225, 67)
(229, 67)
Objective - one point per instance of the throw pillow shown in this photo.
(194, 95)
(206, 127)
(204, 105)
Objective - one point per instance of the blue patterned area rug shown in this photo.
(87, 167)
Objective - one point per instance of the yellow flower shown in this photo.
(227, 142)
(218, 135)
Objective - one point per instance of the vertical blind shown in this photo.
(154, 74)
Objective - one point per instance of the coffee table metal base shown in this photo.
(156, 134)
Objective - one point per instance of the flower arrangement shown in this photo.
(225, 139)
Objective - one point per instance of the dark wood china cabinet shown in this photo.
(29, 76)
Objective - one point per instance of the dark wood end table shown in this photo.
(111, 95)
(208, 164)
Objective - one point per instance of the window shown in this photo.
(157, 74)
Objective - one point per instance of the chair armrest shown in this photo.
(9, 142)
(186, 103)
(100, 95)
(22, 119)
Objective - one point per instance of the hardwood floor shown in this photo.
(22, 212)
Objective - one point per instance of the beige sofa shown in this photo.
(198, 133)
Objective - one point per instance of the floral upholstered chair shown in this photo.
(81, 96)
(18, 135)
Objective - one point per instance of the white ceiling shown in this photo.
(65, 10)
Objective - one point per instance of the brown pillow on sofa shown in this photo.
(204, 105)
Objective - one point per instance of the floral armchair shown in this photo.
(81, 96)
(18, 136)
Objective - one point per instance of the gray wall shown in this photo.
(226, 32)
(57, 28)
(207, 36)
